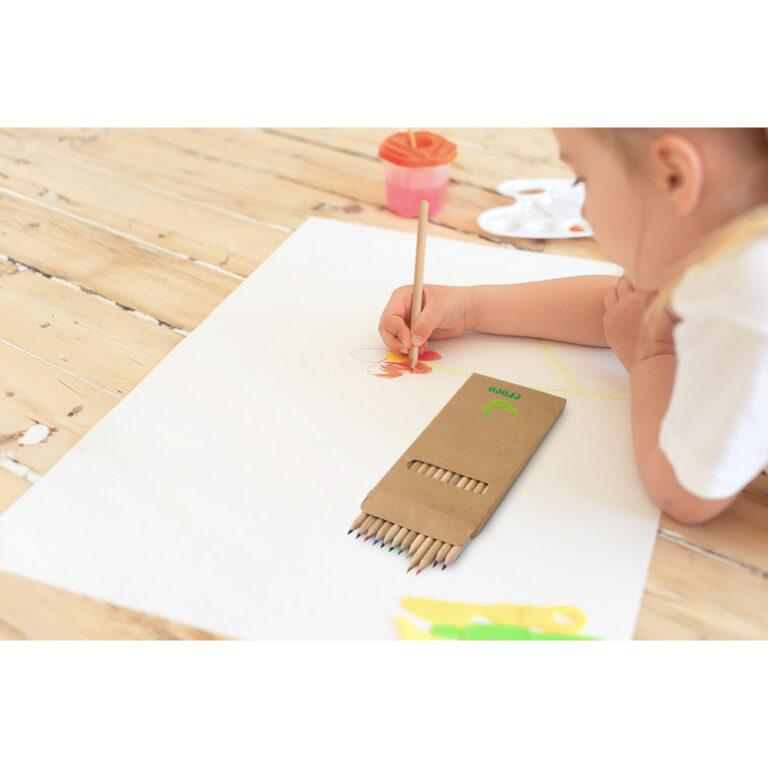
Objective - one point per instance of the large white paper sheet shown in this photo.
(219, 492)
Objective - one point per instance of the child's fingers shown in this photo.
(395, 333)
(429, 319)
(624, 287)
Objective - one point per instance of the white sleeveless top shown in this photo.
(715, 430)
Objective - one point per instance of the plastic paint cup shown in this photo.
(416, 173)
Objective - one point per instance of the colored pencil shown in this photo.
(382, 532)
(416, 543)
(420, 552)
(430, 555)
(442, 552)
(399, 537)
(357, 522)
(364, 526)
(378, 522)
(418, 277)
(451, 556)
(391, 533)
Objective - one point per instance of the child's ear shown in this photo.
(678, 172)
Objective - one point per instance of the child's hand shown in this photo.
(444, 313)
(630, 335)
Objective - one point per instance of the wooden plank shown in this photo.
(192, 228)
(104, 344)
(30, 610)
(693, 597)
(476, 164)
(258, 194)
(170, 289)
(34, 392)
(740, 533)
(358, 175)
(474, 167)
(12, 486)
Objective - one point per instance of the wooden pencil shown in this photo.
(382, 532)
(463, 480)
(420, 552)
(408, 540)
(399, 536)
(369, 527)
(471, 484)
(429, 555)
(364, 526)
(442, 552)
(378, 522)
(391, 533)
(358, 521)
(416, 543)
(418, 277)
(451, 556)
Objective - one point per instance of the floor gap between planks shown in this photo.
(679, 539)
(91, 166)
(73, 286)
(146, 245)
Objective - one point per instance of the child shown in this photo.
(685, 213)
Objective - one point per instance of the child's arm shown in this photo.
(646, 349)
(650, 382)
(567, 309)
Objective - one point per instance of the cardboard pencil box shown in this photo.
(449, 481)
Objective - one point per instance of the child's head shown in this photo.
(653, 193)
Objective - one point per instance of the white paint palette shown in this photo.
(543, 208)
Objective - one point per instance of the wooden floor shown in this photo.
(114, 244)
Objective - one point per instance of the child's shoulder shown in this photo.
(732, 283)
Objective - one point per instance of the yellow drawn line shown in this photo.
(570, 376)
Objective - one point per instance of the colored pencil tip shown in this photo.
(350, 531)
(358, 535)
(391, 548)
(444, 567)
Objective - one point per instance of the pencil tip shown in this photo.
(350, 531)
(444, 567)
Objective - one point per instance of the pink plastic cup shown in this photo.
(416, 173)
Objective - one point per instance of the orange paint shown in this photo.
(576, 228)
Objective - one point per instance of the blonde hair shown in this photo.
(720, 242)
